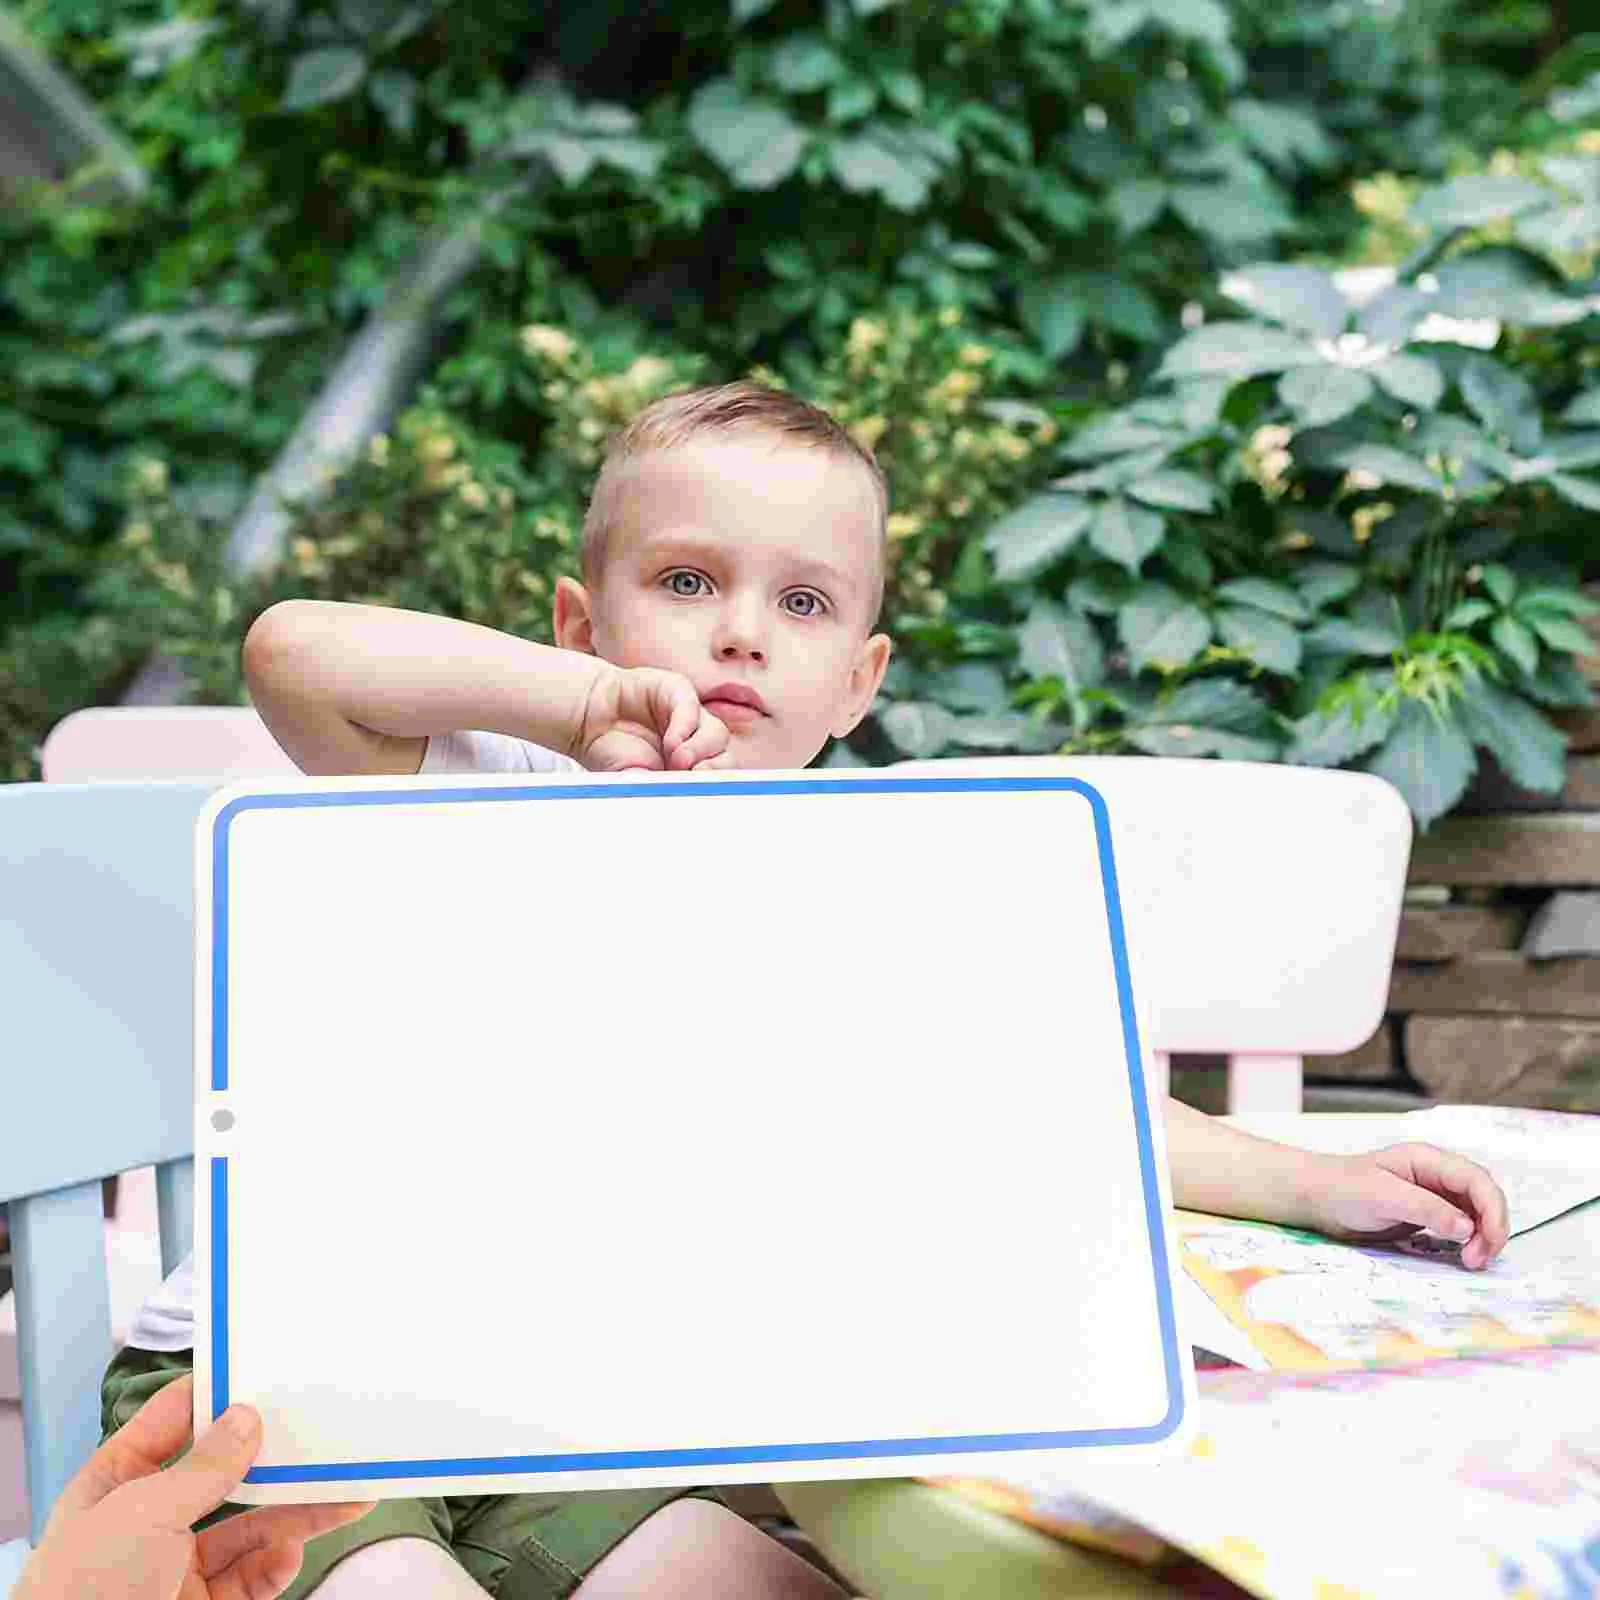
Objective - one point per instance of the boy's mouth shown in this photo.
(734, 703)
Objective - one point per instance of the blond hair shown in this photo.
(745, 406)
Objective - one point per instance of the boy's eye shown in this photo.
(813, 604)
(683, 582)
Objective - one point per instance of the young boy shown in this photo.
(733, 568)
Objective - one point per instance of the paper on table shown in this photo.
(1311, 1305)
(1207, 1328)
(1477, 1477)
(1546, 1162)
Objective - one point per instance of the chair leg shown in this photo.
(1265, 1083)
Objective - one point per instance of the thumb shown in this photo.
(207, 1475)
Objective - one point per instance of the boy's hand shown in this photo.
(1395, 1192)
(640, 717)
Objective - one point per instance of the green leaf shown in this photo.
(972, 686)
(395, 95)
(1188, 559)
(1353, 636)
(1282, 134)
(1205, 20)
(748, 10)
(1303, 298)
(1268, 641)
(1126, 534)
(882, 161)
(1136, 203)
(1472, 201)
(1207, 717)
(1278, 599)
(1113, 476)
(1568, 602)
(1036, 534)
(1116, 434)
(1502, 400)
(803, 64)
(1052, 643)
(1560, 633)
(918, 728)
(1323, 394)
(1501, 583)
(1102, 594)
(851, 99)
(756, 142)
(1054, 314)
(1429, 760)
(1467, 613)
(1323, 582)
(1516, 641)
(1234, 213)
(1173, 489)
(1235, 350)
(1531, 752)
(1580, 491)
(320, 77)
(1336, 735)
(1159, 627)
(1389, 465)
(1585, 408)
(1412, 380)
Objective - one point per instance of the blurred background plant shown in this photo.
(1165, 477)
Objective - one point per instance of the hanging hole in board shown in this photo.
(222, 1120)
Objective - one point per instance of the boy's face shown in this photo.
(750, 562)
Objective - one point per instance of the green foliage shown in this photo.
(1158, 485)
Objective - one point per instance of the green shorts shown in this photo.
(517, 1546)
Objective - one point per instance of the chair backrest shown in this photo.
(126, 742)
(62, 1296)
(1262, 902)
(96, 986)
(1246, 891)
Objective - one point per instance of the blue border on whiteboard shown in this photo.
(602, 1461)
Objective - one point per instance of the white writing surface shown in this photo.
(585, 1133)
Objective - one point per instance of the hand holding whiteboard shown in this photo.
(619, 1033)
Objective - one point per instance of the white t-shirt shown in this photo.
(166, 1320)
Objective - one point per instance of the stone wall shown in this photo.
(1496, 990)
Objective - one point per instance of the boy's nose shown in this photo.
(731, 650)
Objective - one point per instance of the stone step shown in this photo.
(1506, 984)
(1372, 1062)
(1549, 1063)
(1440, 933)
(1561, 849)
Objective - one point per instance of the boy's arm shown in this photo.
(1373, 1198)
(353, 689)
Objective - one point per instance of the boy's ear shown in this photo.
(866, 678)
(574, 616)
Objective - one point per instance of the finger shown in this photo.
(682, 705)
(155, 1433)
(621, 751)
(1466, 1183)
(716, 763)
(709, 739)
(1405, 1201)
(212, 1470)
(225, 1543)
(259, 1574)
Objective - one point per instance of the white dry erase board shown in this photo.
(591, 1132)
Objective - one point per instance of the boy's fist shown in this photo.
(642, 717)
(1391, 1193)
